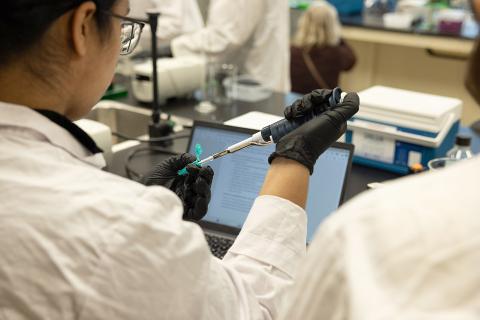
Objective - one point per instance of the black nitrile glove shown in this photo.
(193, 189)
(317, 100)
(308, 142)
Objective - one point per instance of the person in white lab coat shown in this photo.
(252, 34)
(409, 250)
(177, 17)
(77, 242)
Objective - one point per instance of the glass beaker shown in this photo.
(226, 76)
(440, 163)
(219, 87)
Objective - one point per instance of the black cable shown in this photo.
(132, 174)
(162, 139)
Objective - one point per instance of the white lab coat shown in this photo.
(253, 34)
(177, 17)
(77, 242)
(410, 250)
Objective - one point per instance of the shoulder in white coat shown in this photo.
(409, 250)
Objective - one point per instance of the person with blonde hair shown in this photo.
(318, 54)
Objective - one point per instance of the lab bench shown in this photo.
(469, 31)
(414, 59)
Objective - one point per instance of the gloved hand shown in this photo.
(317, 100)
(309, 141)
(193, 189)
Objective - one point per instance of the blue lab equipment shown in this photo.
(348, 7)
(396, 129)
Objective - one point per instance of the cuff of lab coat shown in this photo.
(274, 233)
(179, 48)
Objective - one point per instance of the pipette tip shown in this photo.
(206, 160)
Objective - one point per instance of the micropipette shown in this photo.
(274, 132)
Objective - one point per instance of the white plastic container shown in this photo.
(101, 134)
(397, 20)
(177, 77)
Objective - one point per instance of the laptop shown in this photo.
(239, 178)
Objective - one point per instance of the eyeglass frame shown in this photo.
(133, 21)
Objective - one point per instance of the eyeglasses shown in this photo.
(131, 28)
(131, 33)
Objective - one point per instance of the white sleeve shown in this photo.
(170, 22)
(320, 290)
(266, 255)
(230, 24)
(156, 265)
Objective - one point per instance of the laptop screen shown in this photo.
(239, 177)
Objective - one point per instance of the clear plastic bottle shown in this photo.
(462, 148)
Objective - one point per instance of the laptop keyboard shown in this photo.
(218, 245)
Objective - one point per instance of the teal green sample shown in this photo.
(198, 153)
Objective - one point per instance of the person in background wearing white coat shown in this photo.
(177, 17)
(81, 243)
(251, 34)
(409, 250)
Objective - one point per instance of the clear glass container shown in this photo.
(219, 88)
(440, 163)
(462, 149)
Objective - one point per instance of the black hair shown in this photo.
(23, 22)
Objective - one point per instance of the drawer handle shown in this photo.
(442, 55)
